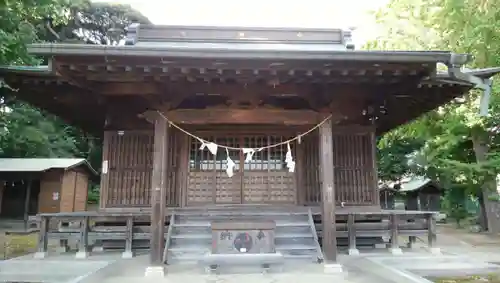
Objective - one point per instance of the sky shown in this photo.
(264, 13)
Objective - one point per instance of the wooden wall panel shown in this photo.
(128, 163)
(81, 191)
(67, 195)
(50, 183)
(263, 180)
(308, 160)
(266, 178)
(354, 167)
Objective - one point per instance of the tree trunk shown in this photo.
(488, 207)
(483, 221)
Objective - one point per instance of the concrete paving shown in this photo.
(58, 268)
(460, 256)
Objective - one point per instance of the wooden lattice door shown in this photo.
(208, 181)
(266, 178)
(228, 189)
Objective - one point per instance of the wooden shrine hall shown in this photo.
(239, 131)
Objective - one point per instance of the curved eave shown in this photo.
(73, 105)
(427, 97)
(445, 77)
(484, 73)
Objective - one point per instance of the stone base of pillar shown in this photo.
(353, 252)
(332, 268)
(396, 251)
(129, 254)
(155, 272)
(82, 255)
(40, 255)
(434, 251)
(97, 249)
(62, 249)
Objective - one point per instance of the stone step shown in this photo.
(191, 235)
(205, 240)
(207, 223)
(291, 247)
(241, 213)
(186, 254)
(279, 235)
(294, 241)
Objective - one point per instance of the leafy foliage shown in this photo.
(95, 23)
(26, 131)
(19, 21)
(460, 148)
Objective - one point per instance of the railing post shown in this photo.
(351, 232)
(395, 249)
(129, 234)
(43, 240)
(63, 246)
(431, 234)
(411, 239)
(83, 244)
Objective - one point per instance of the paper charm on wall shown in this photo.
(290, 164)
(230, 165)
(212, 147)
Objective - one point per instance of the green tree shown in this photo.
(19, 22)
(26, 131)
(461, 148)
(94, 23)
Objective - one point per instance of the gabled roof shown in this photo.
(414, 184)
(42, 164)
(407, 185)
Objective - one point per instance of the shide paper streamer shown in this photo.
(248, 152)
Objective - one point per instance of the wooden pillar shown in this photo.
(128, 253)
(373, 140)
(43, 240)
(158, 193)
(327, 192)
(83, 243)
(299, 175)
(432, 234)
(27, 204)
(395, 249)
(351, 234)
(2, 189)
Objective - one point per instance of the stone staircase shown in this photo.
(190, 237)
